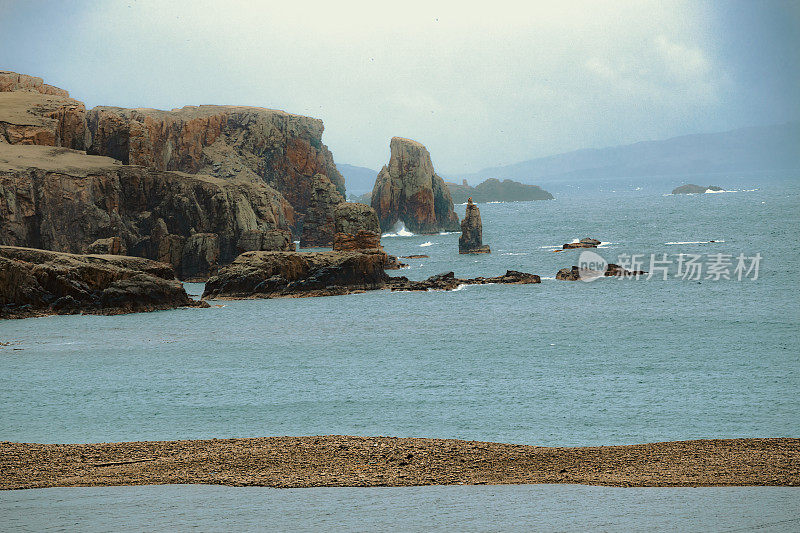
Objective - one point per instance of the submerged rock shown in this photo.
(691, 188)
(408, 190)
(612, 270)
(40, 282)
(447, 281)
(471, 240)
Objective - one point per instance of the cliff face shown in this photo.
(192, 187)
(283, 150)
(357, 227)
(408, 190)
(64, 200)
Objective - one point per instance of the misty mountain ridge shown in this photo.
(761, 148)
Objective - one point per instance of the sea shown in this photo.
(706, 346)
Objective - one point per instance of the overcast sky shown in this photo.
(480, 86)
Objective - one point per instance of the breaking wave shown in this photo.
(400, 231)
(694, 242)
(424, 244)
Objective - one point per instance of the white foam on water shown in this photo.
(495, 202)
(548, 247)
(514, 253)
(606, 244)
(547, 278)
(399, 232)
(460, 287)
(695, 242)
(449, 233)
(424, 244)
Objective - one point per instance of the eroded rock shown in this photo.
(471, 240)
(408, 190)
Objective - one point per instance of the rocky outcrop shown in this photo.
(300, 274)
(494, 190)
(319, 224)
(447, 281)
(29, 117)
(583, 243)
(612, 270)
(64, 200)
(109, 246)
(296, 274)
(471, 240)
(357, 227)
(408, 190)
(283, 150)
(690, 188)
(12, 82)
(41, 282)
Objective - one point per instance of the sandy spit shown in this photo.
(345, 461)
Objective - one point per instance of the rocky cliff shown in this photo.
(41, 282)
(471, 240)
(64, 200)
(408, 190)
(283, 150)
(192, 187)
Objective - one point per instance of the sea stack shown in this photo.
(471, 240)
(408, 190)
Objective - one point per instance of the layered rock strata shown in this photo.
(64, 200)
(357, 227)
(408, 190)
(40, 282)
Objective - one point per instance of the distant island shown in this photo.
(691, 188)
(491, 190)
(494, 190)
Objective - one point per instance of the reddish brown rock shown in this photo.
(356, 227)
(283, 150)
(109, 246)
(12, 81)
(29, 117)
(408, 190)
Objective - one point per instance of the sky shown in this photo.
(480, 86)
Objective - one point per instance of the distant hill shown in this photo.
(357, 180)
(493, 190)
(749, 149)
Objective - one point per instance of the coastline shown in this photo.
(350, 461)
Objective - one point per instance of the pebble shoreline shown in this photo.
(347, 461)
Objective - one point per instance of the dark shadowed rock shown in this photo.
(408, 190)
(471, 240)
(109, 246)
(447, 281)
(39, 282)
(586, 242)
(281, 274)
(319, 224)
(612, 270)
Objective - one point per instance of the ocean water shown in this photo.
(557, 364)
(453, 508)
